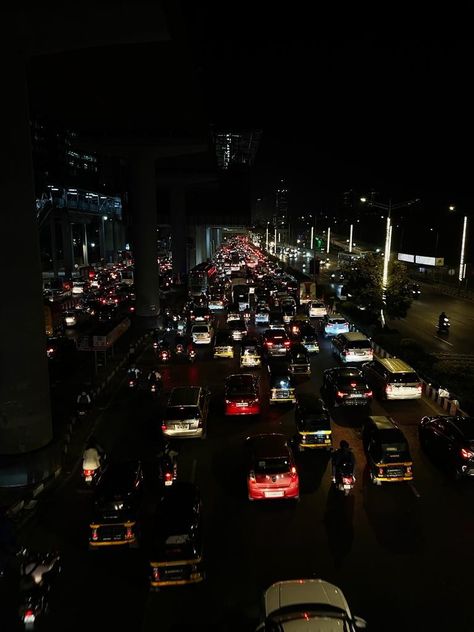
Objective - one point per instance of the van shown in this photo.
(186, 412)
(387, 451)
(352, 347)
(392, 378)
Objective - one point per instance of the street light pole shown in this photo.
(351, 230)
(266, 239)
(462, 265)
(328, 240)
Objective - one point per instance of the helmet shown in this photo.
(344, 445)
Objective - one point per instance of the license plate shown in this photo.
(88, 479)
(181, 427)
(282, 394)
(347, 486)
(168, 483)
(353, 396)
(274, 494)
(242, 404)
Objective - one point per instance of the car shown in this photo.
(345, 386)
(299, 360)
(262, 316)
(288, 312)
(241, 394)
(217, 302)
(186, 412)
(202, 334)
(275, 342)
(352, 347)
(199, 314)
(271, 467)
(335, 324)
(275, 319)
(116, 506)
(309, 338)
(282, 388)
(223, 344)
(317, 309)
(174, 538)
(313, 423)
(233, 312)
(78, 287)
(237, 328)
(70, 319)
(387, 451)
(250, 352)
(450, 440)
(392, 378)
(301, 605)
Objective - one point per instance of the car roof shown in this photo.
(382, 422)
(268, 445)
(184, 395)
(395, 365)
(119, 477)
(345, 371)
(310, 402)
(243, 379)
(352, 336)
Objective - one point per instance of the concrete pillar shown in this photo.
(200, 244)
(109, 240)
(103, 252)
(85, 253)
(68, 247)
(218, 237)
(25, 411)
(119, 241)
(178, 230)
(144, 232)
(208, 242)
(54, 248)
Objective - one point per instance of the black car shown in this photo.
(282, 388)
(275, 319)
(387, 451)
(345, 386)
(309, 338)
(173, 538)
(116, 504)
(313, 424)
(451, 441)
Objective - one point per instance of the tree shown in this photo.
(363, 281)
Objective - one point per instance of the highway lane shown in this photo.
(390, 549)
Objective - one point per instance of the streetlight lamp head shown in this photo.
(452, 208)
(363, 199)
(105, 217)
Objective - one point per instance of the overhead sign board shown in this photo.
(403, 257)
(429, 261)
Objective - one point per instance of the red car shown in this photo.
(242, 394)
(271, 468)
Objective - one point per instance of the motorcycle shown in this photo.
(91, 474)
(192, 355)
(345, 480)
(444, 325)
(37, 574)
(168, 468)
(164, 355)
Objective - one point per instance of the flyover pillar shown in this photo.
(144, 246)
(178, 230)
(85, 253)
(68, 248)
(200, 244)
(25, 410)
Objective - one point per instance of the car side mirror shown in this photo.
(359, 623)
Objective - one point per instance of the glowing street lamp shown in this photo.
(462, 265)
(328, 240)
(350, 237)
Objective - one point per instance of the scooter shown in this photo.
(37, 574)
(443, 326)
(345, 481)
(192, 355)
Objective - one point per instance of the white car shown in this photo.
(78, 287)
(317, 309)
(202, 334)
(307, 604)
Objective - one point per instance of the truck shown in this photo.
(307, 291)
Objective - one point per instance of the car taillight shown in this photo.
(29, 616)
(345, 352)
(408, 469)
(95, 536)
(294, 473)
(419, 388)
(368, 394)
(287, 343)
(252, 478)
(156, 574)
(164, 427)
(388, 388)
(129, 533)
(341, 394)
(347, 480)
(466, 454)
(380, 471)
(168, 476)
(88, 472)
(269, 343)
(130, 383)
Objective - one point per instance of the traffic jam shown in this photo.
(253, 358)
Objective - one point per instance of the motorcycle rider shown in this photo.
(343, 457)
(83, 401)
(442, 321)
(93, 456)
(134, 373)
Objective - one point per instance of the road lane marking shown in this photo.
(414, 490)
(441, 340)
(193, 471)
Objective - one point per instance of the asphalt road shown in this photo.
(400, 552)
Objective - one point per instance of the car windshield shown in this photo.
(395, 452)
(336, 321)
(239, 386)
(359, 344)
(315, 422)
(404, 378)
(182, 412)
(275, 465)
(200, 329)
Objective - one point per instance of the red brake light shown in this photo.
(164, 427)
(293, 472)
(129, 533)
(380, 471)
(168, 476)
(287, 343)
(88, 472)
(29, 616)
(353, 384)
(95, 537)
(347, 480)
(369, 394)
(156, 574)
(466, 454)
(269, 343)
(388, 388)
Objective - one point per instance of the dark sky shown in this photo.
(388, 113)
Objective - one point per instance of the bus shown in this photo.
(200, 278)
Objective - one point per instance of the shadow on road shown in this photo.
(338, 521)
